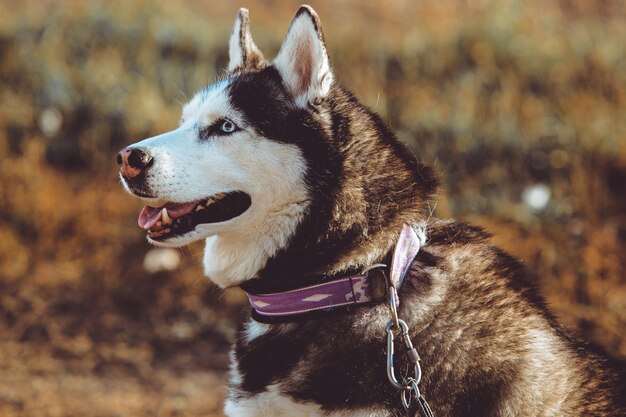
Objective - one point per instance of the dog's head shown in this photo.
(235, 164)
(278, 167)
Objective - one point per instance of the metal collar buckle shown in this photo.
(377, 277)
(372, 267)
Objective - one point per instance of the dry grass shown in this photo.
(500, 96)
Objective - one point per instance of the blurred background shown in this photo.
(520, 106)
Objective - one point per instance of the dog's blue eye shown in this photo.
(228, 127)
(221, 127)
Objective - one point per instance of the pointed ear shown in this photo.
(302, 61)
(243, 53)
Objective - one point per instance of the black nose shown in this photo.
(133, 161)
(139, 159)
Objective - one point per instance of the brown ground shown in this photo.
(499, 96)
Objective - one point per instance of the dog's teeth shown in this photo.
(199, 207)
(214, 199)
(165, 216)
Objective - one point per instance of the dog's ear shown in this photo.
(302, 61)
(243, 53)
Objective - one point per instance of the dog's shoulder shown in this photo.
(457, 247)
(462, 258)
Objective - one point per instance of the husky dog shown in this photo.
(292, 182)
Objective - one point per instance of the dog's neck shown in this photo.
(235, 257)
(353, 219)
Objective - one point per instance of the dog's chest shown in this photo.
(310, 369)
(273, 403)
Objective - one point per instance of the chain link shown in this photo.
(404, 385)
(410, 395)
(406, 402)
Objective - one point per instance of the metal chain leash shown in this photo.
(412, 400)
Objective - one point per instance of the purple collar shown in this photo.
(350, 290)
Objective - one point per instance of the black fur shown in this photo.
(345, 369)
(263, 99)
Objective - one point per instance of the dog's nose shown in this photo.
(133, 161)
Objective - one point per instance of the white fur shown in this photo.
(272, 403)
(234, 374)
(187, 168)
(238, 254)
(545, 352)
(234, 46)
(255, 329)
(303, 44)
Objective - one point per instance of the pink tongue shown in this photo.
(150, 215)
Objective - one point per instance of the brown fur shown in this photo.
(489, 346)
(488, 342)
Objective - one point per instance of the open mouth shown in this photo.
(173, 219)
